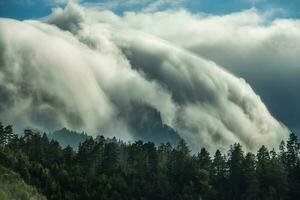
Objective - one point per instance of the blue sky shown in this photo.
(28, 9)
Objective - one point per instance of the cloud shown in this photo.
(83, 69)
(136, 5)
(164, 4)
(69, 18)
(248, 43)
(116, 4)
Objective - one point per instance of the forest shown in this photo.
(105, 168)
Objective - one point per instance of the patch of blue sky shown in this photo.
(30, 9)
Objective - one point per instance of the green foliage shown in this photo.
(204, 160)
(104, 168)
(2, 136)
(12, 187)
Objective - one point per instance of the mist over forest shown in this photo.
(151, 99)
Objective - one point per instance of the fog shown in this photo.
(82, 69)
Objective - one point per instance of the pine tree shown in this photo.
(164, 152)
(293, 165)
(219, 164)
(263, 160)
(151, 157)
(8, 132)
(292, 154)
(182, 147)
(204, 160)
(2, 135)
(250, 178)
(86, 156)
(219, 174)
(69, 156)
(235, 163)
(282, 153)
(277, 176)
(110, 157)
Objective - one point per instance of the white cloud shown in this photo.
(248, 43)
(163, 4)
(87, 77)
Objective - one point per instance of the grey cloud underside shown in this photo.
(91, 70)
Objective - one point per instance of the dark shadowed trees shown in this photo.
(106, 168)
(236, 175)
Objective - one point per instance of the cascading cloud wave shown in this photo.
(81, 68)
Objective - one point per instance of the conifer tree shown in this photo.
(2, 135)
(235, 163)
(204, 159)
(8, 133)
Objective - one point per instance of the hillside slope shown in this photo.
(12, 187)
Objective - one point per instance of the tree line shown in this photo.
(104, 168)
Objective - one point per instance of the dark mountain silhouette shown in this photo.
(147, 125)
(67, 137)
(145, 122)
